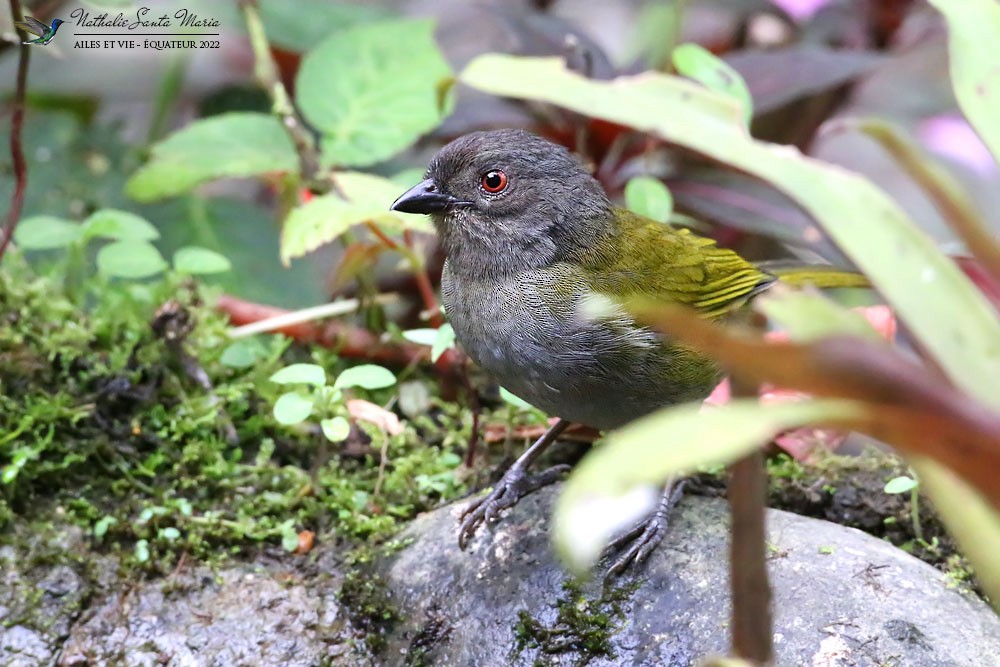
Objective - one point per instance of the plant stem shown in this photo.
(16, 150)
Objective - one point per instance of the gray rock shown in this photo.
(242, 615)
(841, 599)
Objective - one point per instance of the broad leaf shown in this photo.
(228, 145)
(617, 482)
(974, 27)
(696, 62)
(325, 218)
(372, 90)
(292, 408)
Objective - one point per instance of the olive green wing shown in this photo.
(673, 265)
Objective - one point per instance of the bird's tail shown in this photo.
(817, 275)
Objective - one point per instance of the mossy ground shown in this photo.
(118, 419)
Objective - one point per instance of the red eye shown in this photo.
(494, 181)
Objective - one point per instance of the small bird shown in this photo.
(34, 26)
(532, 243)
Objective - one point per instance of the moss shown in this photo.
(156, 449)
(583, 625)
(367, 599)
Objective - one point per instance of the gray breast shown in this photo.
(602, 373)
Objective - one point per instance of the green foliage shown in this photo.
(365, 198)
(99, 416)
(130, 259)
(194, 260)
(227, 145)
(698, 63)
(648, 196)
(44, 232)
(372, 89)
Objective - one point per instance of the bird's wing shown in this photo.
(32, 25)
(674, 265)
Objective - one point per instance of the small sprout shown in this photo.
(292, 408)
(901, 484)
(336, 429)
(142, 551)
(109, 223)
(194, 260)
(366, 376)
(826, 550)
(169, 533)
(130, 259)
(102, 525)
(301, 374)
(242, 353)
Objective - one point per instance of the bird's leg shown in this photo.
(648, 533)
(514, 485)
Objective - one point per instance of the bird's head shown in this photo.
(56, 23)
(508, 199)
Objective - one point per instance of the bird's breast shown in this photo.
(530, 333)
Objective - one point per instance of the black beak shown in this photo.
(424, 198)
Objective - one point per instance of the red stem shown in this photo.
(16, 150)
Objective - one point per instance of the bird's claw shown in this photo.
(643, 539)
(514, 485)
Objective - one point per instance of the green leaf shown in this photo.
(287, 28)
(372, 90)
(109, 223)
(696, 62)
(808, 316)
(141, 551)
(616, 484)
(366, 376)
(648, 196)
(336, 429)
(301, 373)
(943, 310)
(902, 484)
(238, 144)
(195, 260)
(130, 259)
(292, 408)
(514, 400)
(974, 30)
(243, 353)
(44, 232)
(169, 533)
(421, 336)
(444, 340)
(325, 218)
(289, 536)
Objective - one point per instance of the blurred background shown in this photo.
(94, 114)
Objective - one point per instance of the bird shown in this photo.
(535, 251)
(34, 26)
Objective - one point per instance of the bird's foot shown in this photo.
(514, 485)
(647, 534)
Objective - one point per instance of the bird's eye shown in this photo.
(494, 181)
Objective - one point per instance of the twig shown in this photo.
(751, 591)
(423, 282)
(16, 150)
(266, 72)
(285, 320)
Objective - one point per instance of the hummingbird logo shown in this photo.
(34, 26)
